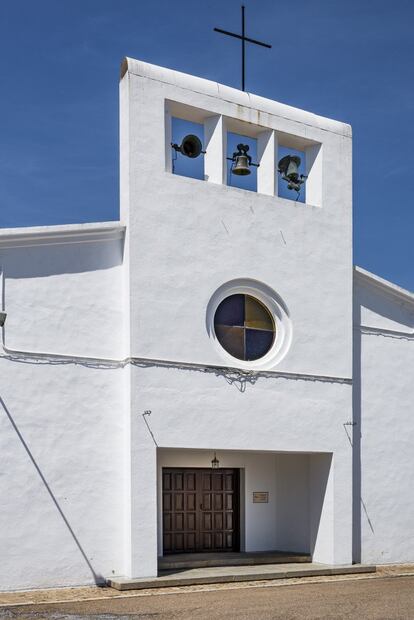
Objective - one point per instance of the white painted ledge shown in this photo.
(231, 95)
(66, 233)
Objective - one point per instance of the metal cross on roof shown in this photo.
(243, 40)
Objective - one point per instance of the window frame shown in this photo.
(277, 309)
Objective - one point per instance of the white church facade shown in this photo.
(210, 373)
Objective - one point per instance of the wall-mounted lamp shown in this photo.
(190, 146)
(241, 161)
(288, 167)
(3, 316)
(215, 463)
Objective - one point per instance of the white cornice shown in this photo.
(384, 285)
(231, 95)
(55, 235)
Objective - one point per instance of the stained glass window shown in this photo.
(244, 327)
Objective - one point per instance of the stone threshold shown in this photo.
(230, 558)
(228, 574)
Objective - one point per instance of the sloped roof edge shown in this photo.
(385, 285)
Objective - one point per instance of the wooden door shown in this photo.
(200, 510)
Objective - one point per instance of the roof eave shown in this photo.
(384, 285)
(66, 233)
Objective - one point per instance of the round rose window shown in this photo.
(244, 327)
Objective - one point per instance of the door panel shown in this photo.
(200, 510)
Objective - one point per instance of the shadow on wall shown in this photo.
(356, 435)
(48, 260)
(319, 469)
(355, 441)
(98, 579)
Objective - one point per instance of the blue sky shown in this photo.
(346, 59)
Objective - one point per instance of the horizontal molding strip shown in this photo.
(387, 333)
(30, 357)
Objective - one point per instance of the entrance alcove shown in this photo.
(254, 503)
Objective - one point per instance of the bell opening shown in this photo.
(185, 135)
(240, 171)
(292, 164)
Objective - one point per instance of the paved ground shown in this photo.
(387, 598)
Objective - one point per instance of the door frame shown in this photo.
(236, 510)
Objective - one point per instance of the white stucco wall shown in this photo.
(384, 464)
(293, 502)
(62, 422)
(63, 291)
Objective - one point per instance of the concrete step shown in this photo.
(204, 560)
(197, 576)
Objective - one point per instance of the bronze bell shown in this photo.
(190, 146)
(241, 165)
(288, 167)
(241, 160)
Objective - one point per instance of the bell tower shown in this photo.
(185, 232)
(231, 272)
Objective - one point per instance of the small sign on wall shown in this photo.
(260, 497)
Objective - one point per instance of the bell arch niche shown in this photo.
(187, 140)
(182, 120)
(291, 164)
(311, 155)
(219, 134)
(241, 161)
